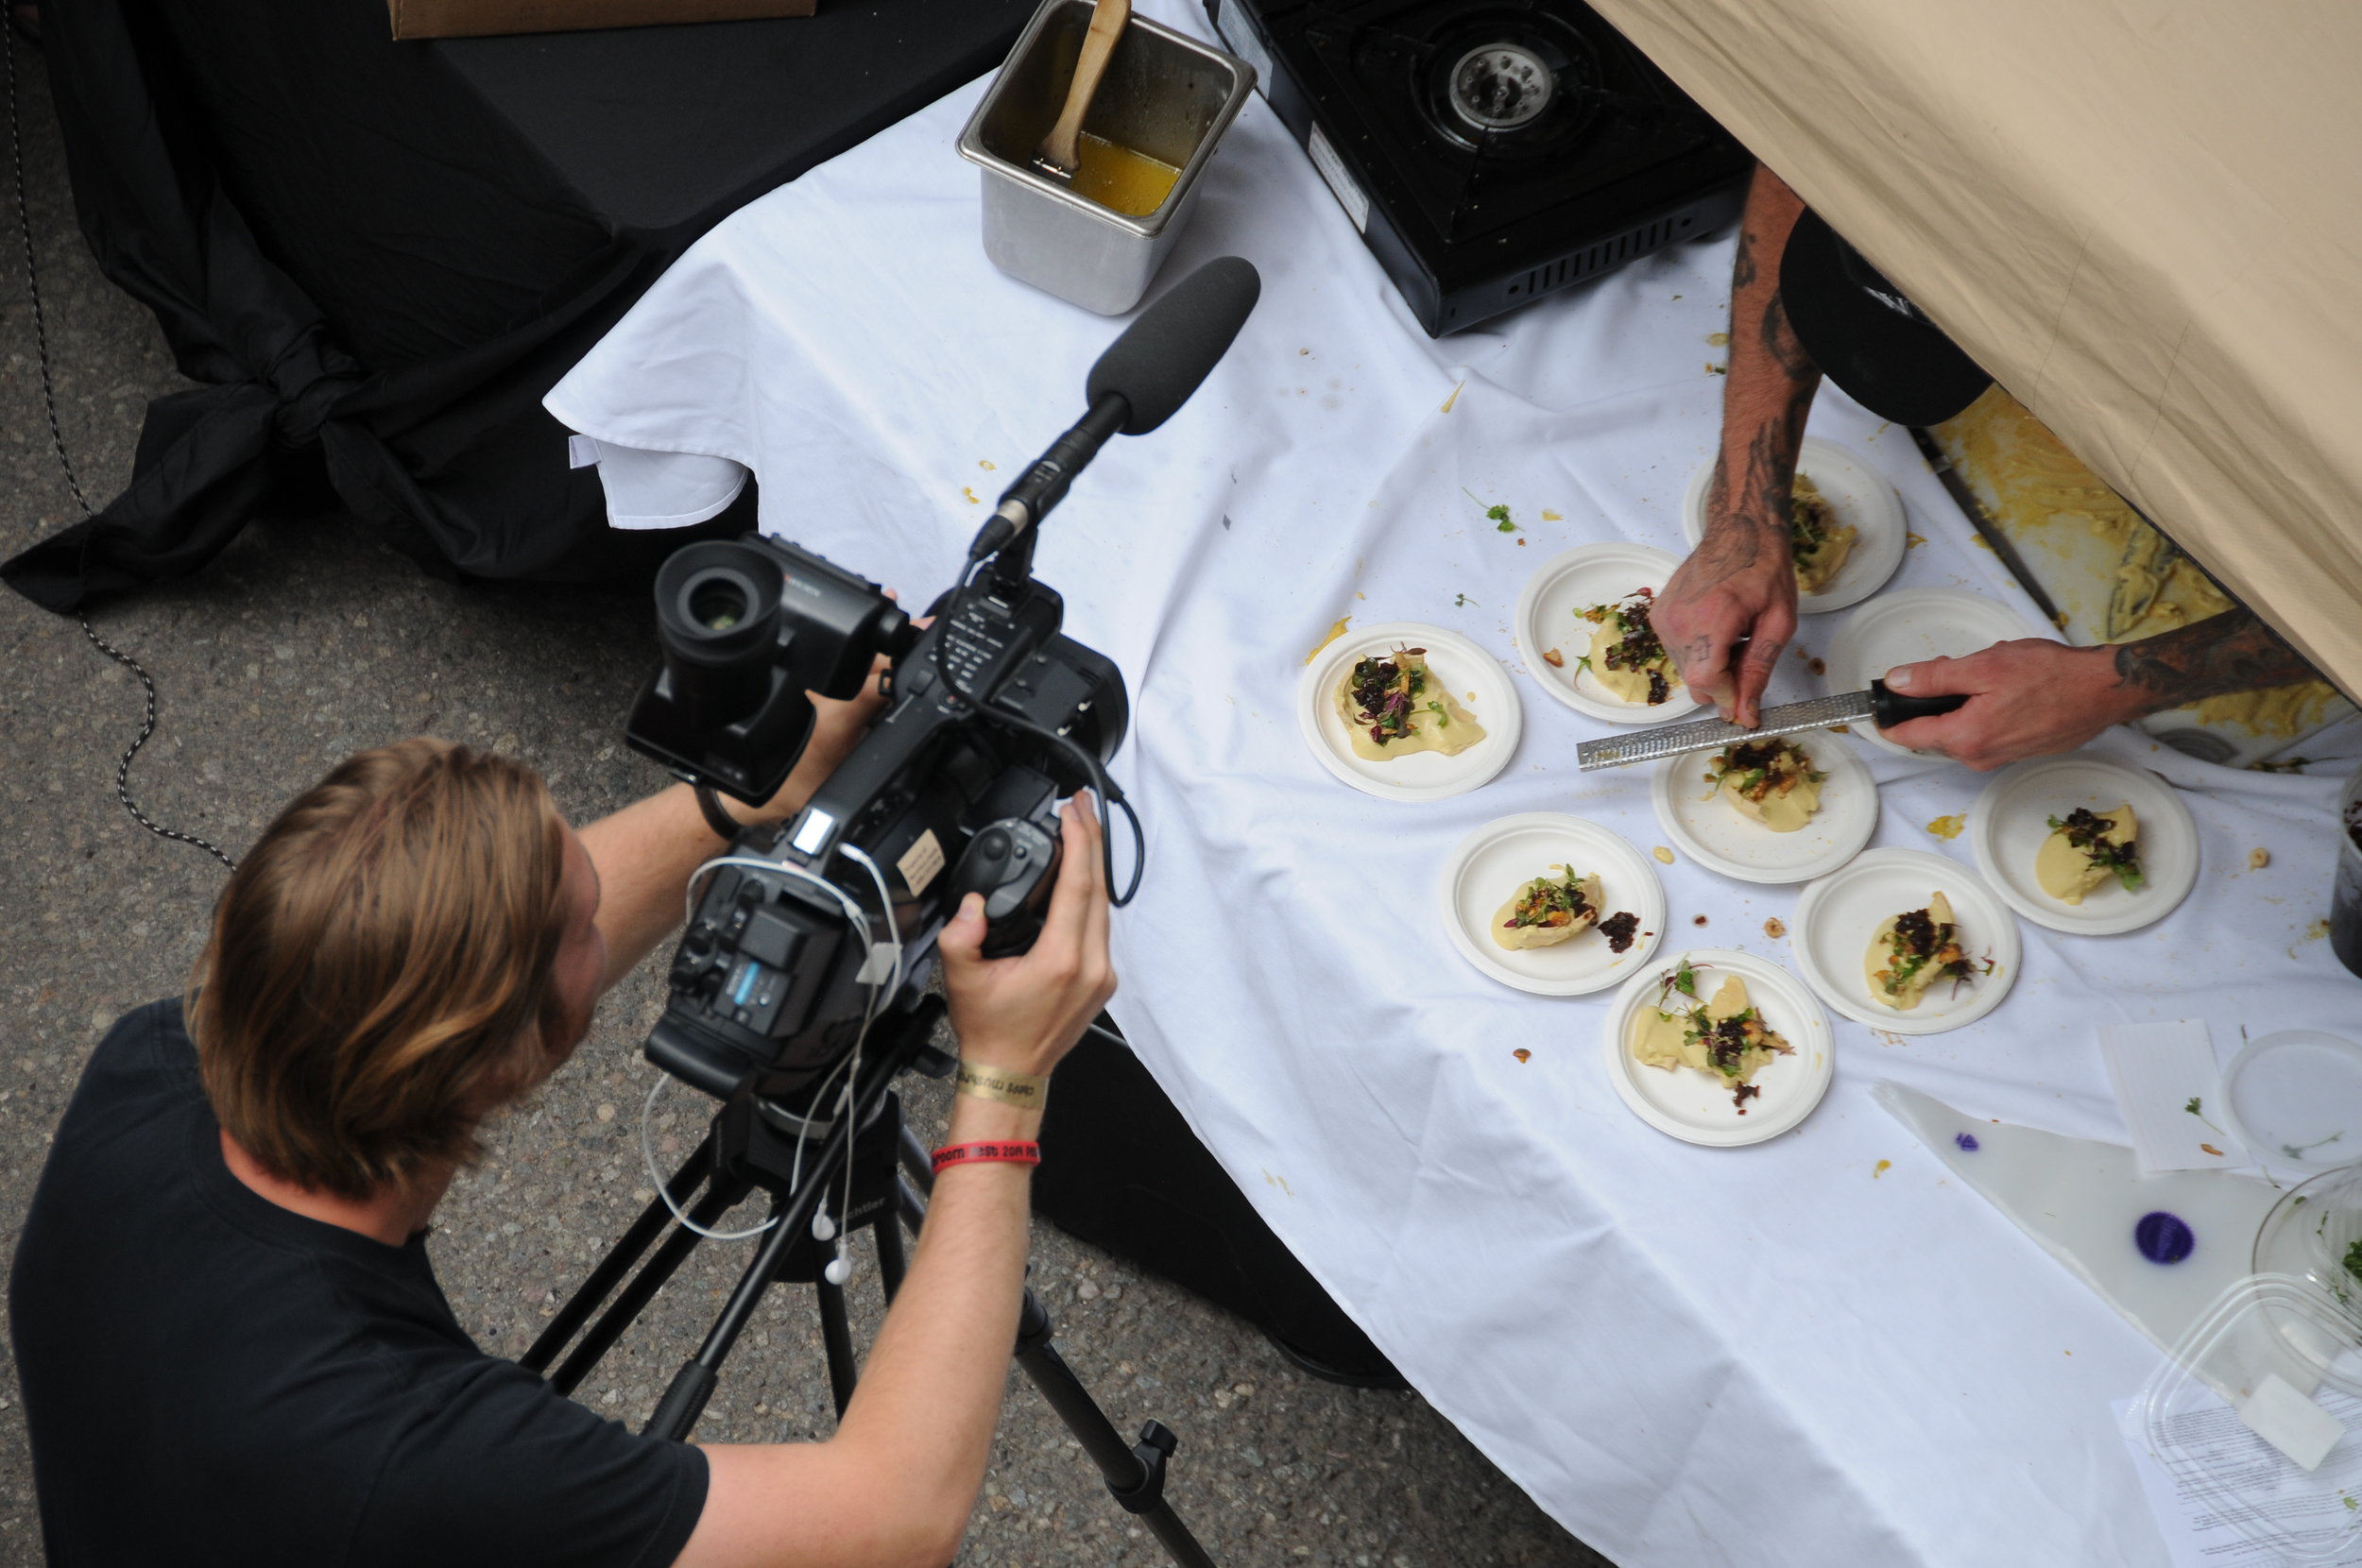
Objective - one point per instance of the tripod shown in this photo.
(753, 1143)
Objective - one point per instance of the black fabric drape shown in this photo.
(378, 256)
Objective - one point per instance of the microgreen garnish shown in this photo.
(2088, 831)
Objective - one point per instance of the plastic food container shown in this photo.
(2294, 1099)
(2257, 1413)
(1165, 94)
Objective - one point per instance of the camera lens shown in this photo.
(717, 603)
(717, 615)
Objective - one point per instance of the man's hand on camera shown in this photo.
(836, 729)
(1025, 1013)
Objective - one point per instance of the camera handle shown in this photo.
(1134, 1474)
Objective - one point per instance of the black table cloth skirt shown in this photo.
(377, 257)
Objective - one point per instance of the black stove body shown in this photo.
(1490, 151)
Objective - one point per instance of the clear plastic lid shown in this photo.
(2258, 1412)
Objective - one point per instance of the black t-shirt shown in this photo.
(212, 1379)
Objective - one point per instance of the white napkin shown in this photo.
(2171, 1093)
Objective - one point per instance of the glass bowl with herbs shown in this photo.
(2314, 1233)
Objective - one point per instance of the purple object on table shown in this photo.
(1967, 1142)
(2163, 1238)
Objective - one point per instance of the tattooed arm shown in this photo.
(2035, 698)
(1738, 587)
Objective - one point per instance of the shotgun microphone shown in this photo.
(1139, 383)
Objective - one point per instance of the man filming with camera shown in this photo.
(232, 1343)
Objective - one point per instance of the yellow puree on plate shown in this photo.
(1661, 1039)
(2066, 872)
(1438, 722)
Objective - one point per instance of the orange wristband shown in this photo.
(986, 1154)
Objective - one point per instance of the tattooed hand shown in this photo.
(2036, 698)
(2028, 698)
(1730, 608)
(1728, 611)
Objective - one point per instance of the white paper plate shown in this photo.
(2011, 818)
(1859, 497)
(1695, 1106)
(1492, 862)
(2294, 1098)
(1462, 667)
(1836, 915)
(1712, 833)
(1907, 628)
(1587, 575)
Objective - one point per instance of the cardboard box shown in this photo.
(480, 18)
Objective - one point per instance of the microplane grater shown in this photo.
(1877, 705)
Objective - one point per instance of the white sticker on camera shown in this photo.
(920, 862)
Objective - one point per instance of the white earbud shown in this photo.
(840, 1269)
(823, 1228)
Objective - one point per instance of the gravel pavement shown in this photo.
(306, 641)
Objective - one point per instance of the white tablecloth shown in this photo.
(1782, 1354)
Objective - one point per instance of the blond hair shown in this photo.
(379, 972)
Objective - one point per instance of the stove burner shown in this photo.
(1500, 86)
(1490, 151)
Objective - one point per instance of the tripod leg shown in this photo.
(891, 1263)
(719, 1199)
(618, 1261)
(836, 1336)
(1135, 1474)
(917, 1163)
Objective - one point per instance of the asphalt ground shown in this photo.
(306, 641)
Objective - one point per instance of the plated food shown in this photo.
(1913, 950)
(1627, 656)
(1773, 781)
(1723, 1035)
(2084, 844)
(1551, 904)
(2087, 850)
(1680, 1058)
(1584, 627)
(1847, 529)
(1549, 910)
(1906, 941)
(1832, 804)
(1406, 750)
(1394, 707)
(1819, 543)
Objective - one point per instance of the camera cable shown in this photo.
(1105, 786)
(73, 483)
(823, 1228)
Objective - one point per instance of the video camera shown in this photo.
(806, 933)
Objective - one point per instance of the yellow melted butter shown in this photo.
(1119, 179)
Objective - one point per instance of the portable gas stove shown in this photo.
(1490, 152)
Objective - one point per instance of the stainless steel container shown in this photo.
(1165, 94)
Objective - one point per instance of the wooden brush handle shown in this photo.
(1107, 20)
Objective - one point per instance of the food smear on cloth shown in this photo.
(1334, 633)
(2051, 505)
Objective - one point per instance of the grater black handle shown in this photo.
(1889, 707)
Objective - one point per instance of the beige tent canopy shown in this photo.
(2142, 216)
